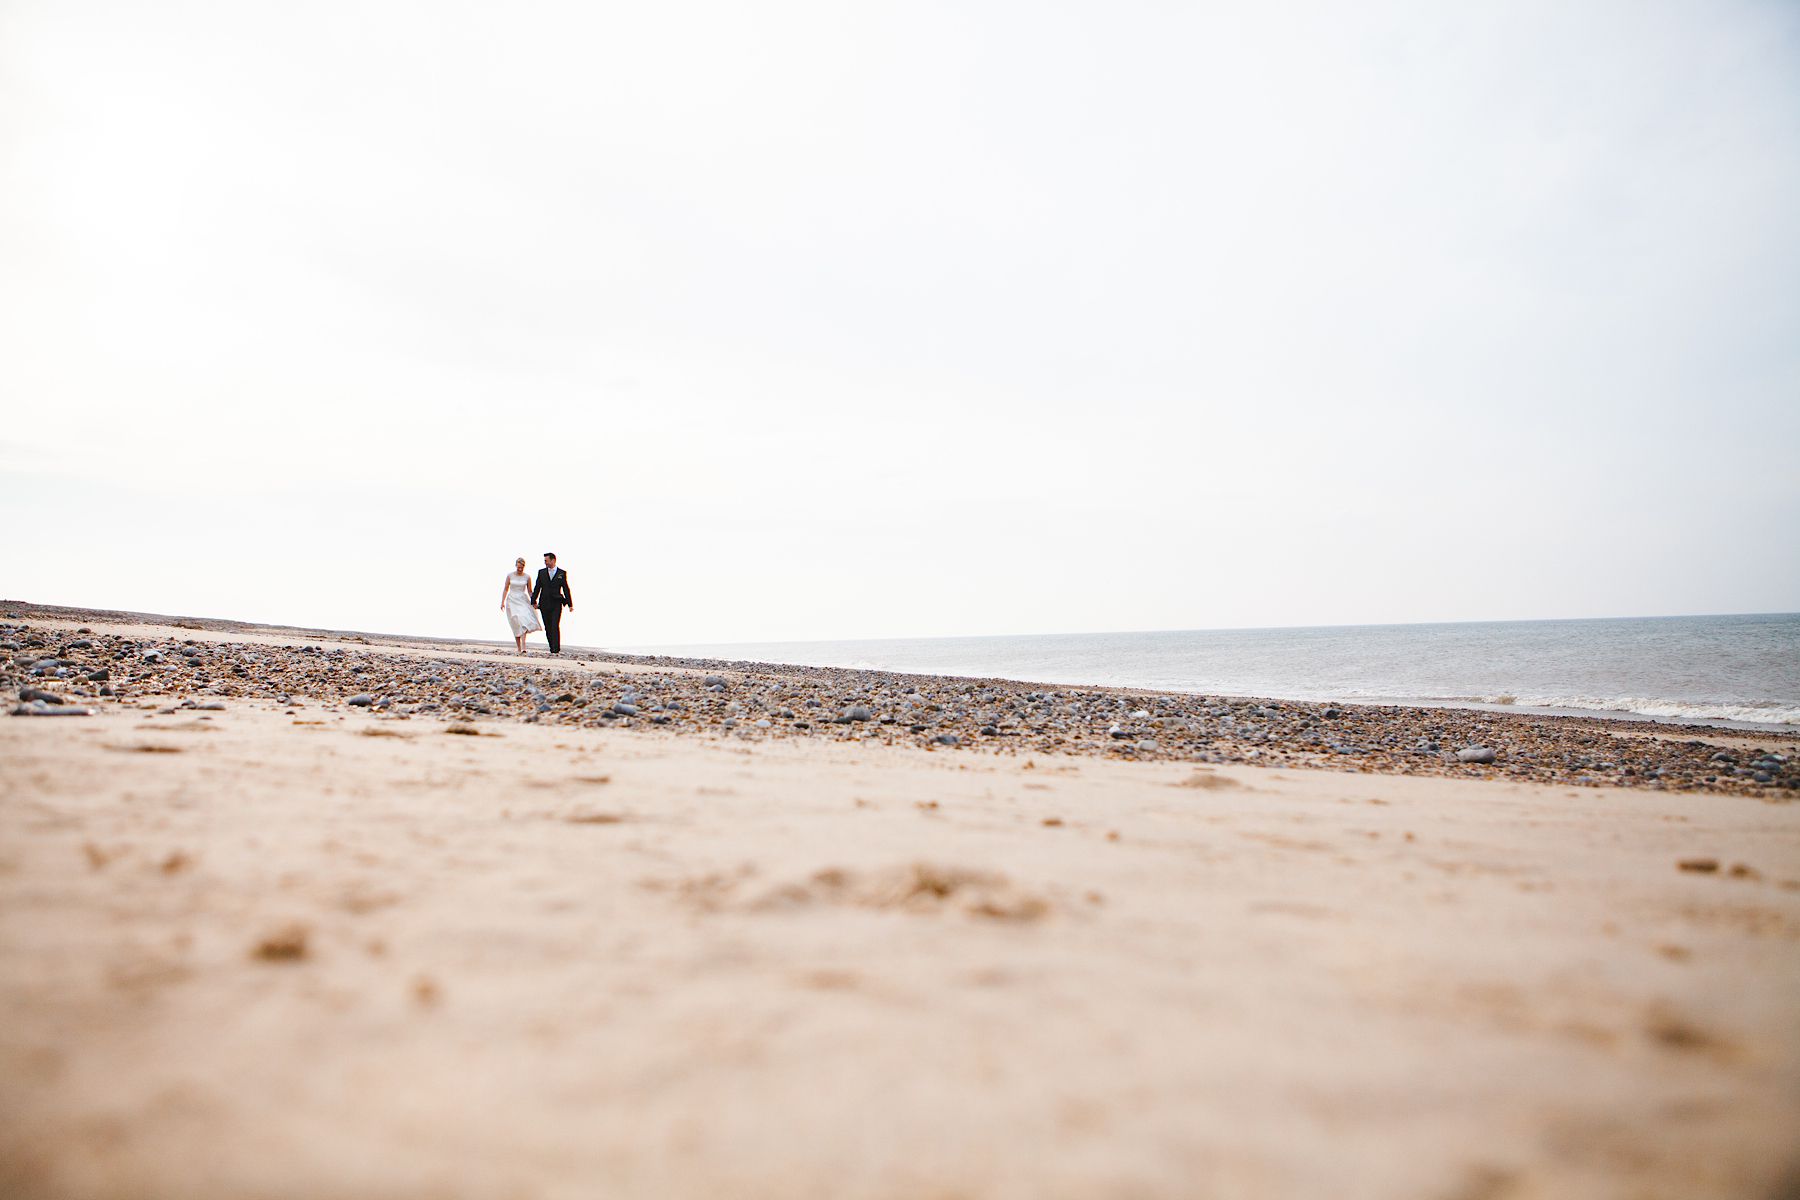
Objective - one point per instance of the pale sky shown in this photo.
(788, 321)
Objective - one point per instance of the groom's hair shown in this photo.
(548, 554)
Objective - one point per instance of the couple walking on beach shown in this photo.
(524, 600)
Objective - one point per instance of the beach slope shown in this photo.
(308, 949)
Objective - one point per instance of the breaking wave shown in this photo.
(1751, 712)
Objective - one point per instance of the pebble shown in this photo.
(40, 709)
(996, 716)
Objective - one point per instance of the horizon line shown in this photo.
(635, 647)
(951, 637)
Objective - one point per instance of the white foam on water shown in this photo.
(1750, 712)
(1755, 712)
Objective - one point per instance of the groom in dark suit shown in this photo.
(549, 595)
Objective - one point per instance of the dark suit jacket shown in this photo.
(552, 593)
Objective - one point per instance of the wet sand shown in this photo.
(320, 950)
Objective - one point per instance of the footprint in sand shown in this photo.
(283, 944)
(918, 887)
(1674, 1031)
(1209, 781)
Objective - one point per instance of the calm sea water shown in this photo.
(1735, 670)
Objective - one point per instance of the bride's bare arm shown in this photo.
(505, 586)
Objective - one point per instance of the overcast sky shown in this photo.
(832, 320)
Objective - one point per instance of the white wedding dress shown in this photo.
(519, 614)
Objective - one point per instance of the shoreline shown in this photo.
(501, 648)
(764, 701)
(487, 941)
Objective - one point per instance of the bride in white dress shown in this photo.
(515, 602)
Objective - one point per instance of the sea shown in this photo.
(1739, 671)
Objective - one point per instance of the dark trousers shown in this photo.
(552, 615)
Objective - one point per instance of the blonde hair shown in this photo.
(519, 563)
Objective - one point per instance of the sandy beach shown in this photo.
(256, 940)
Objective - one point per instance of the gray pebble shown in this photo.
(1475, 754)
(50, 710)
